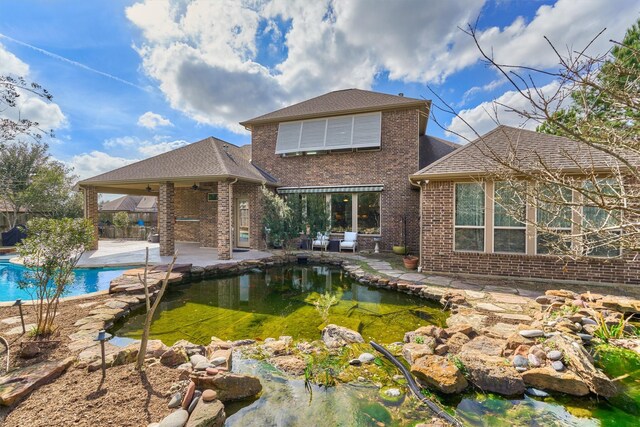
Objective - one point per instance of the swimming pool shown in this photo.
(86, 280)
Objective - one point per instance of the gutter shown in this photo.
(419, 185)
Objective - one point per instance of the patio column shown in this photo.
(91, 212)
(166, 218)
(225, 217)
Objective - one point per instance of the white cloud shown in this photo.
(152, 120)
(11, 64)
(204, 54)
(143, 148)
(481, 119)
(94, 163)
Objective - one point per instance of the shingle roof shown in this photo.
(148, 204)
(433, 148)
(131, 204)
(209, 158)
(347, 101)
(528, 149)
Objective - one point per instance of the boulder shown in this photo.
(174, 356)
(291, 364)
(439, 373)
(335, 336)
(456, 341)
(228, 386)
(483, 345)
(207, 414)
(580, 361)
(547, 378)
(155, 348)
(412, 351)
(491, 374)
(20, 382)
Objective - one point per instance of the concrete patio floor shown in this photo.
(132, 252)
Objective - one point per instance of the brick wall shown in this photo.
(91, 212)
(253, 192)
(225, 212)
(191, 204)
(390, 166)
(438, 254)
(166, 216)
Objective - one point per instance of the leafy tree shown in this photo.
(121, 221)
(282, 222)
(51, 252)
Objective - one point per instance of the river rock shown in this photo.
(355, 362)
(520, 362)
(547, 378)
(532, 333)
(197, 358)
(456, 341)
(228, 386)
(175, 401)
(174, 357)
(588, 321)
(209, 395)
(531, 391)
(534, 361)
(439, 373)
(175, 419)
(212, 371)
(412, 351)
(335, 336)
(490, 374)
(194, 402)
(554, 355)
(557, 365)
(222, 357)
(189, 347)
(366, 358)
(202, 366)
(207, 414)
(188, 395)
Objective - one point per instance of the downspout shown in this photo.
(419, 185)
(231, 218)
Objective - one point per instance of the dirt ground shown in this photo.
(79, 398)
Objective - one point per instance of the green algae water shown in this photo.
(280, 301)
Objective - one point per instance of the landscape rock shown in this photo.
(483, 345)
(456, 341)
(366, 358)
(490, 374)
(175, 401)
(547, 378)
(520, 362)
(439, 373)
(228, 386)
(188, 395)
(175, 419)
(557, 365)
(197, 358)
(291, 364)
(18, 383)
(276, 347)
(207, 414)
(412, 351)
(29, 350)
(209, 395)
(335, 336)
(189, 347)
(174, 357)
(532, 333)
(194, 402)
(222, 357)
(554, 355)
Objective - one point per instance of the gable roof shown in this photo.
(131, 204)
(526, 148)
(339, 102)
(206, 159)
(432, 148)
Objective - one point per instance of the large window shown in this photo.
(553, 218)
(341, 210)
(469, 217)
(334, 133)
(368, 213)
(509, 215)
(600, 226)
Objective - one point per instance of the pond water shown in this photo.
(280, 301)
(86, 280)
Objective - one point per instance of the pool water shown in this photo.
(86, 280)
(280, 301)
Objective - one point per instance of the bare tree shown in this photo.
(584, 200)
(151, 309)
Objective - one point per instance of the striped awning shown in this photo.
(336, 189)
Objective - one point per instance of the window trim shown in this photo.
(484, 227)
(354, 211)
(495, 227)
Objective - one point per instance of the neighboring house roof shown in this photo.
(433, 148)
(207, 159)
(527, 149)
(131, 204)
(339, 102)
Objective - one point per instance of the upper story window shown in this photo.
(333, 133)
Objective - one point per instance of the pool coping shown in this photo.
(63, 299)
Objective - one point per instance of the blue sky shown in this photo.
(133, 79)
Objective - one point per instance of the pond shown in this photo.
(280, 301)
(86, 280)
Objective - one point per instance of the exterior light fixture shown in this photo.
(101, 338)
(346, 199)
(148, 189)
(194, 187)
(19, 304)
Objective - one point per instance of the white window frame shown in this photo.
(484, 227)
(495, 227)
(570, 228)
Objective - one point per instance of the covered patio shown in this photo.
(209, 194)
(132, 253)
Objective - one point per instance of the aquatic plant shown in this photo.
(615, 331)
(323, 305)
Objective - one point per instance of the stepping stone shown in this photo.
(20, 382)
(474, 294)
(516, 317)
(11, 320)
(489, 307)
(437, 280)
(499, 289)
(18, 329)
(412, 277)
(508, 298)
(87, 304)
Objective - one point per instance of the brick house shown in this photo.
(352, 149)
(463, 229)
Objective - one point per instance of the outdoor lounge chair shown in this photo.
(350, 241)
(321, 241)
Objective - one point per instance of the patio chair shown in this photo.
(350, 241)
(321, 241)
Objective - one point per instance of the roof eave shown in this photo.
(213, 178)
(481, 174)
